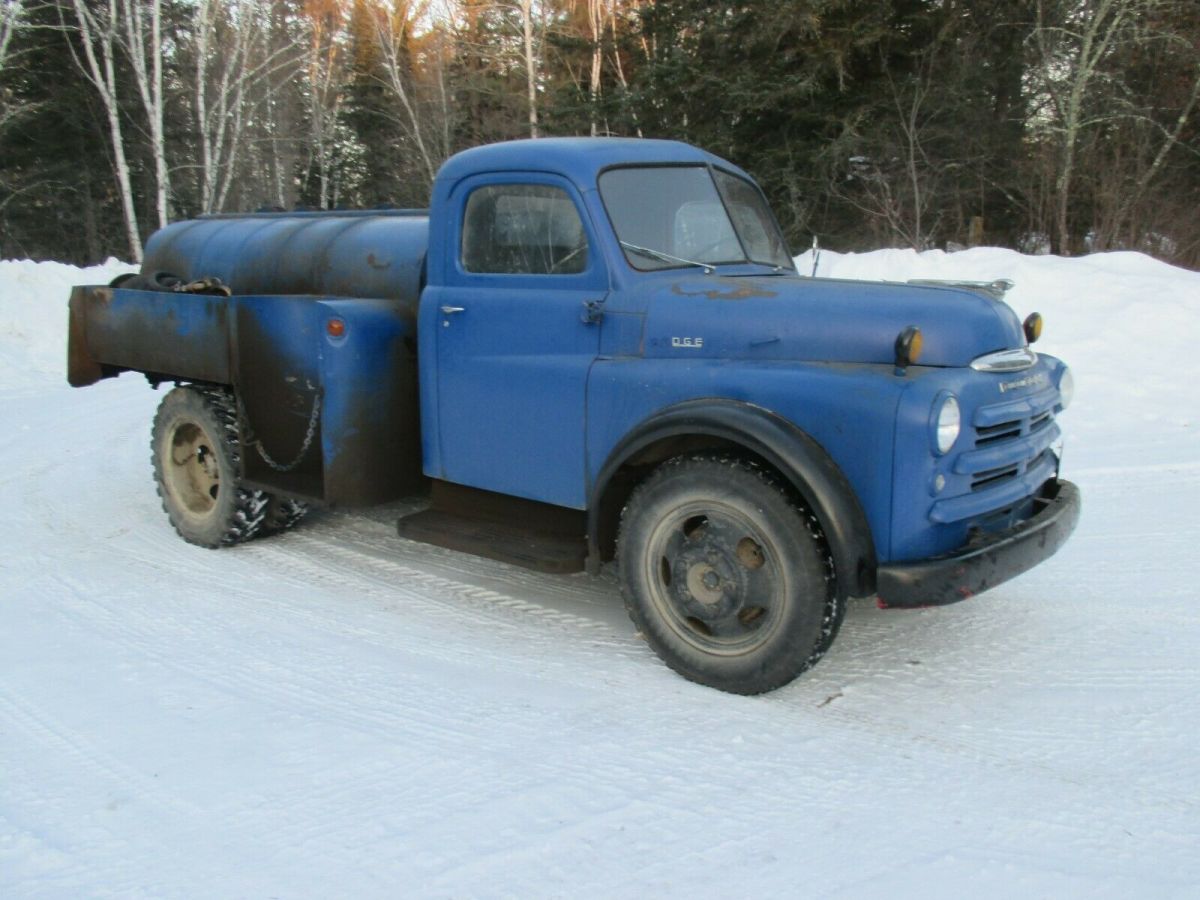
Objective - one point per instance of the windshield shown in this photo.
(672, 216)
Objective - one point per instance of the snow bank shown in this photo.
(33, 314)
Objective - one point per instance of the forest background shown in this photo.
(1044, 125)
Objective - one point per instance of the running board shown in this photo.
(522, 532)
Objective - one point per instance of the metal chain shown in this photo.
(308, 439)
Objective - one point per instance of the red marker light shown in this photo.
(335, 327)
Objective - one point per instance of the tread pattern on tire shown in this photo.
(249, 508)
(835, 604)
(282, 514)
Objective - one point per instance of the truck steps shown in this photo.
(522, 532)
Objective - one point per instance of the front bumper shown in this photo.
(988, 562)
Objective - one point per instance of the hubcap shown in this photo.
(717, 578)
(190, 470)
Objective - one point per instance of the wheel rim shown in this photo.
(716, 578)
(191, 472)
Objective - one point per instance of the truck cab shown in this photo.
(596, 349)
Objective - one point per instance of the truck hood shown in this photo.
(819, 319)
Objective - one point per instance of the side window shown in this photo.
(523, 229)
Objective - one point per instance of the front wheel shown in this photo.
(726, 577)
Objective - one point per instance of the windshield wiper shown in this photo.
(667, 257)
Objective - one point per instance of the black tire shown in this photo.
(726, 577)
(153, 281)
(196, 452)
(282, 514)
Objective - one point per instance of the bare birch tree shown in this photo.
(235, 65)
(1169, 139)
(11, 12)
(11, 20)
(1151, 132)
(614, 15)
(99, 32)
(1071, 49)
(142, 27)
(426, 123)
(596, 17)
(282, 106)
(531, 64)
(892, 181)
(325, 65)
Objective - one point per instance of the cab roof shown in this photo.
(578, 159)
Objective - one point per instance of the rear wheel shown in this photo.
(726, 577)
(196, 452)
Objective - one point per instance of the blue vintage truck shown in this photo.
(590, 349)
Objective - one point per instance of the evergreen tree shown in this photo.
(368, 110)
(57, 197)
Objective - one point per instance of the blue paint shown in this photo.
(511, 368)
(328, 254)
(525, 393)
(848, 409)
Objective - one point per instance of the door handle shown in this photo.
(451, 310)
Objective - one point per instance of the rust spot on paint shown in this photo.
(376, 263)
(741, 292)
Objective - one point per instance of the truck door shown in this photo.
(514, 342)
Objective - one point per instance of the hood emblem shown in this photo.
(1027, 381)
(994, 289)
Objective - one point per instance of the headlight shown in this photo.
(1066, 388)
(948, 422)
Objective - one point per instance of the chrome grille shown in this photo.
(1011, 439)
(990, 477)
(992, 433)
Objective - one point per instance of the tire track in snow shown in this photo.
(42, 730)
(453, 602)
(379, 708)
(305, 560)
(460, 604)
(302, 688)
(336, 560)
(374, 706)
(981, 752)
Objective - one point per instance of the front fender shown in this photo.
(805, 464)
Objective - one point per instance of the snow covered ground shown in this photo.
(336, 712)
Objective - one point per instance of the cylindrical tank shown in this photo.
(376, 254)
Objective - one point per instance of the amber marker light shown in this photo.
(1033, 327)
(335, 327)
(908, 346)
